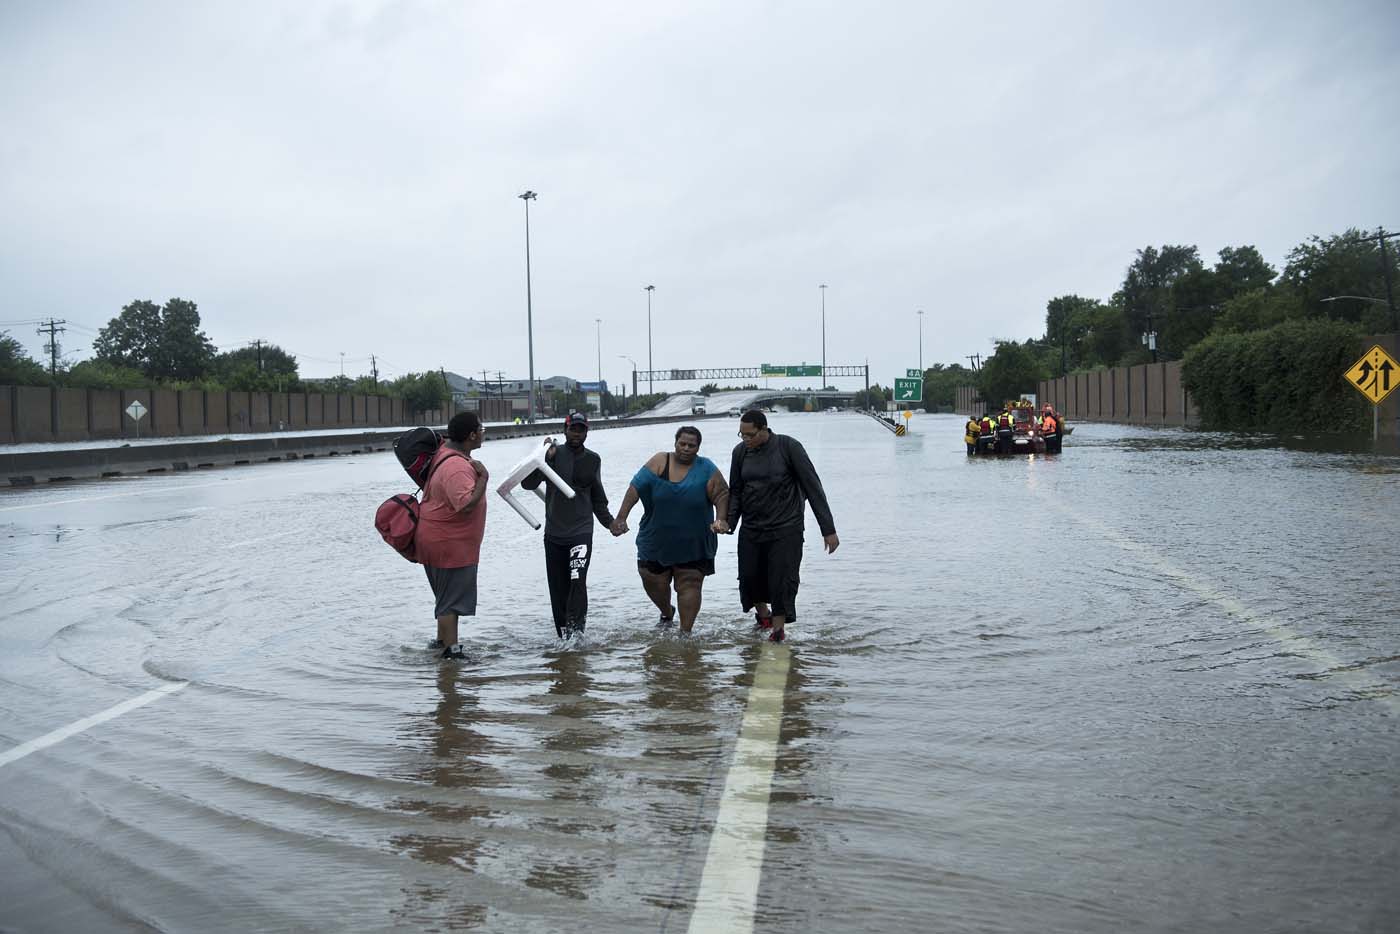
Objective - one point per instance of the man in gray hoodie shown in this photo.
(568, 524)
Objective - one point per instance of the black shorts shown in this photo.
(705, 566)
(768, 573)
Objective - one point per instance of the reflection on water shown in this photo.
(573, 734)
(454, 761)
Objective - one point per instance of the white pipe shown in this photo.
(528, 465)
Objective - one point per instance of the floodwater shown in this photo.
(1152, 684)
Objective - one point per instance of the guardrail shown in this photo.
(32, 467)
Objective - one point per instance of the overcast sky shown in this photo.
(342, 176)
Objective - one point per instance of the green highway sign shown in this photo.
(773, 369)
(913, 374)
(909, 390)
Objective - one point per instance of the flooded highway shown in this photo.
(1152, 684)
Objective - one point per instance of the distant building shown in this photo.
(498, 396)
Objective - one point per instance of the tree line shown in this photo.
(1236, 322)
(149, 345)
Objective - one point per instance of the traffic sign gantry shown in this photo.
(1375, 375)
(909, 390)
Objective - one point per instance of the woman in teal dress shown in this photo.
(682, 494)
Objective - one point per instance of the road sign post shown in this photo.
(1375, 376)
(135, 411)
(909, 390)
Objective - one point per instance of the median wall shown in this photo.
(1149, 394)
(39, 413)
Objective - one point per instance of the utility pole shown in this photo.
(52, 329)
(823, 288)
(1380, 237)
(259, 344)
(374, 368)
(651, 385)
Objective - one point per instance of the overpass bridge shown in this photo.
(717, 403)
(766, 371)
(680, 403)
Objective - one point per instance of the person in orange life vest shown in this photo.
(1050, 428)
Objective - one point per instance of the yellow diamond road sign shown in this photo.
(1375, 375)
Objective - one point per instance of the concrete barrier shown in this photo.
(72, 408)
(33, 415)
(83, 463)
(7, 414)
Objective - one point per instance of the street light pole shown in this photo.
(599, 323)
(921, 343)
(1364, 298)
(634, 375)
(823, 288)
(651, 388)
(527, 197)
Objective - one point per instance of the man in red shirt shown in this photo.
(451, 522)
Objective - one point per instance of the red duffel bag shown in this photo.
(397, 522)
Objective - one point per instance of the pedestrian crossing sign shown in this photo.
(1375, 375)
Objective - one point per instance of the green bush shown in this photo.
(1286, 378)
(101, 374)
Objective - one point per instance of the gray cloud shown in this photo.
(342, 176)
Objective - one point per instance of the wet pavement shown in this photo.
(1152, 684)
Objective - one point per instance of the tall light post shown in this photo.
(527, 197)
(599, 323)
(823, 288)
(650, 387)
(634, 374)
(1359, 298)
(921, 343)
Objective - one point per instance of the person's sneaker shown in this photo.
(776, 635)
(666, 621)
(455, 653)
(763, 622)
(436, 644)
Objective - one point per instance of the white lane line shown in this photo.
(1362, 684)
(729, 881)
(265, 538)
(92, 499)
(72, 729)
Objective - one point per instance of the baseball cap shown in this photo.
(576, 418)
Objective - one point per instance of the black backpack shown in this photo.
(415, 449)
